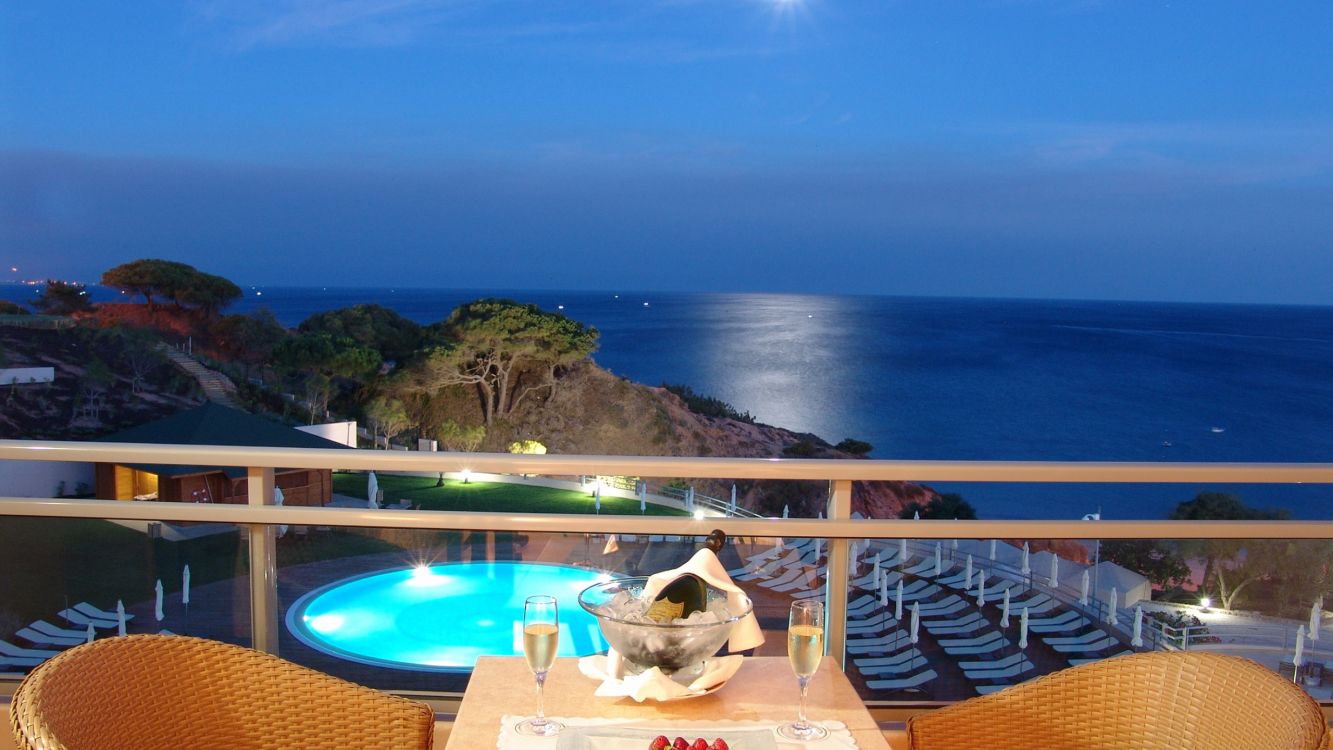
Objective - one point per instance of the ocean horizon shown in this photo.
(937, 378)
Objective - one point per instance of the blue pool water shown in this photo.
(442, 617)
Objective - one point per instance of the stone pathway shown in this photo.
(218, 388)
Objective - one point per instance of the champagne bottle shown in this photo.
(679, 599)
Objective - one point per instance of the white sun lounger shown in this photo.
(916, 680)
(902, 667)
(1087, 648)
(973, 621)
(881, 661)
(1058, 624)
(921, 568)
(1003, 673)
(98, 614)
(987, 644)
(1036, 600)
(946, 606)
(787, 576)
(957, 642)
(18, 661)
(42, 626)
(810, 593)
(18, 652)
(864, 602)
(28, 634)
(1079, 662)
(803, 582)
(871, 625)
(878, 645)
(78, 618)
(1007, 661)
(772, 567)
(1092, 636)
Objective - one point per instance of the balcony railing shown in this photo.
(259, 519)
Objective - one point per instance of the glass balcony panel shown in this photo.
(61, 574)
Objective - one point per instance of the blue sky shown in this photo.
(1044, 148)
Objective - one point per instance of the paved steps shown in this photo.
(217, 387)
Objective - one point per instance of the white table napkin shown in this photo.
(653, 684)
(839, 737)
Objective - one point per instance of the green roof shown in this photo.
(213, 424)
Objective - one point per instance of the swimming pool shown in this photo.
(442, 617)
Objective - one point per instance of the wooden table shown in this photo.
(763, 690)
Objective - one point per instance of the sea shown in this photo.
(966, 379)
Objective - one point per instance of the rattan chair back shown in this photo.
(1151, 701)
(155, 692)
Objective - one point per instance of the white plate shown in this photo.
(613, 738)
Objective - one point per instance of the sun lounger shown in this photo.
(921, 590)
(18, 661)
(28, 634)
(18, 652)
(1079, 662)
(958, 642)
(1004, 673)
(946, 606)
(98, 614)
(888, 661)
(899, 668)
(787, 576)
(42, 626)
(1087, 648)
(771, 568)
(814, 592)
(864, 602)
(803, 582)
(78, 618)
(973, 621)
(1035, 601)
(921, 568)
(1061, 623)
(871, 625)
(1092, 636)
(986, 644)
(878, 645)
(916, 680)
(1007, 661)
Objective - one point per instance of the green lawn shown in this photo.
(501, 497)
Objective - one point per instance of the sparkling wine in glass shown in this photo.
(805, 649)
(541, 637)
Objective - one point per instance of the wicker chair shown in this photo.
(155, 692)
(1151, 701)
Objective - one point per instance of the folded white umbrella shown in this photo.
(1316, 614)
(981, 587)
(902, 551)
(1023, 629)
(967, 573)
(992, 550)
(1083, 589)
(91, 633)
(883, 592)
(157, 608)
(1137, 640)
(643, 498)
(939, 561)
(898, 606)
(1055, 571)
(1112, 606)
(916, 622)
(875, 571)
(851, 559)
(372, 490)
(786, 512)
(1299, 658)
(120, 618)
(733, 499)
(1004, 613)
(916, 515)
(1026, 567)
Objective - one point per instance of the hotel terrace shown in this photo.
(964, 582)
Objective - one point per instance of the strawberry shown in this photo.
(680, 744)
(660, 742)
(720, 744)
(699, 744)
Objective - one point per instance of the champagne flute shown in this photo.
(541, 629)
(805, 649)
